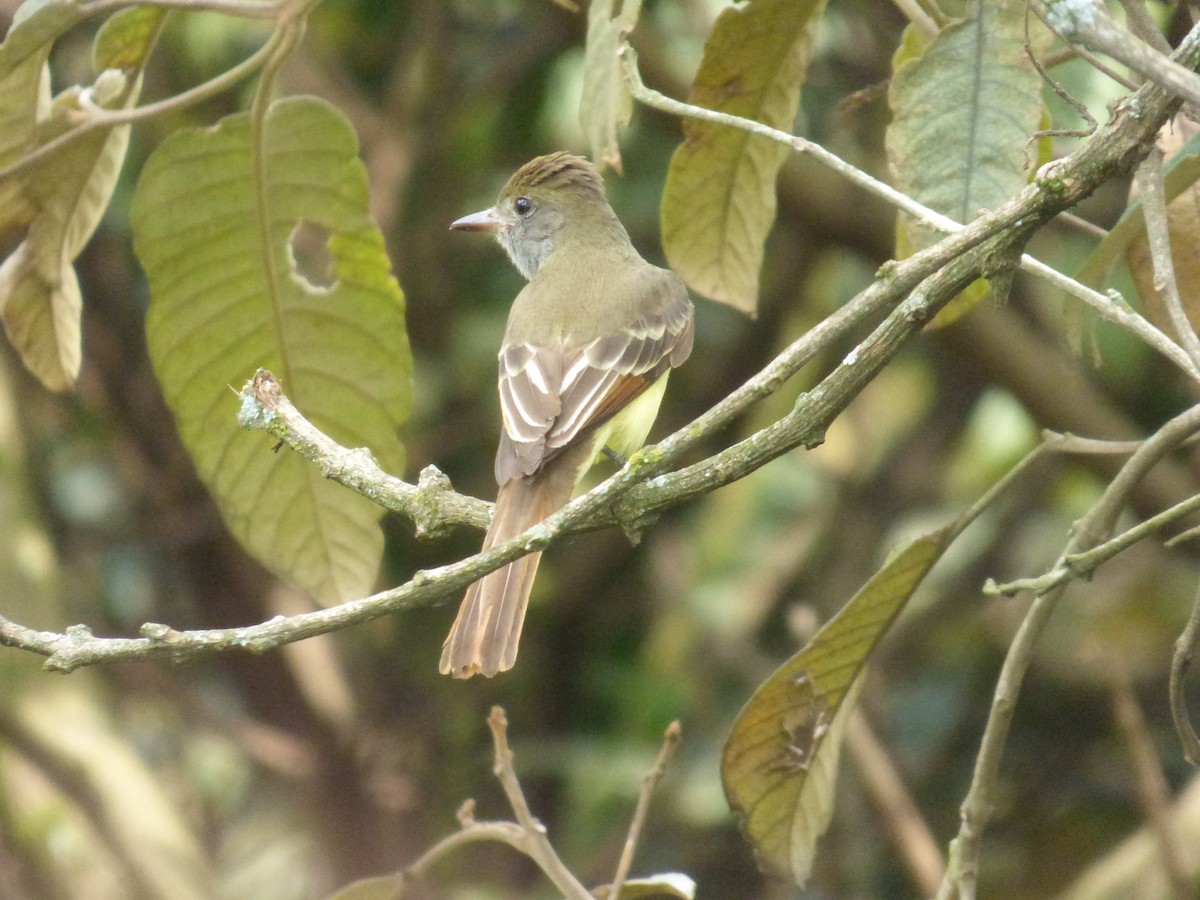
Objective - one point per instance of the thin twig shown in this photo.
(977, 808)
(1080, 566)
(1154, 205)
(1063, 94)
(914, 13)
(1091, 229)
(899, 813)
(646, 483)
(1073, 443)
(527, 835)
(501, 832)
(649, 783)
(98, 119)
(539, 848)
(1152, 791)
(1142, 24)
(1088, 23)
(1105, 305)
(1181, 661)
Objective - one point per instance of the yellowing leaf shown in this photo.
(780, 762)
(1180, 174)
(719, 199)
(962, 115)
(235, 287)
(606, 105)
(58, 202)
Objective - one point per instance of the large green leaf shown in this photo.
(780, 762)
(232, 290)
(606, 104)
(962, 115)
(58, 202)
(719, 200)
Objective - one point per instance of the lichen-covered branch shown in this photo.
(908, 293)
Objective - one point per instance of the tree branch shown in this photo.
(913, 290)
(537, 845)
(1181, 661)
(649, 783)
(1154, 206)
(1086, 22)
(1052, 179)
(963, 868)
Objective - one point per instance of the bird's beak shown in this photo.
(487, 220)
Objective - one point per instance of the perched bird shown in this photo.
(583, 366)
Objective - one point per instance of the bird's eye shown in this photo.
(523, 205)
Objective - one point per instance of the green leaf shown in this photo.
(58, 202)
(235, 287)
(780, 762)
(24, 80)
(667, 886)
(606, 105)
(962, 114)
(719, 199)
(126, 37)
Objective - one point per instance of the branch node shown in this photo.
(159, 633)
(260, 401)
(427, 516)
(466, 813)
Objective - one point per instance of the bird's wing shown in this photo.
(550, 395)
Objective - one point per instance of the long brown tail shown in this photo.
(484, 637)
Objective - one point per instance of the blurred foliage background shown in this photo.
(286, 775)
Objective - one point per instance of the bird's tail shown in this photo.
(484, 637)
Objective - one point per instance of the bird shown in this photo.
(583, 366)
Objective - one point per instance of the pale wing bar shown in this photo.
(550, 395)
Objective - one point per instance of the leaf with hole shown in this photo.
(265, 256)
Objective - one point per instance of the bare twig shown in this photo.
(1108, 306)
(900, 814)
(527, 835)
(1088, 23)
(1143, 25)
(537, 844)
(1073, 443)
(431, 503)
(1063, 94)
(1154, 204)
(1181, 661)
(1152, 791)
(649, 783)
(963, 868)
(914, 13)
(1080, 566)
(98, 119)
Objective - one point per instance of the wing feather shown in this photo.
(551, 394)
